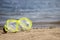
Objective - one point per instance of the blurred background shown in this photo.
(37, 10)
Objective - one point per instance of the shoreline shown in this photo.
(42, 25)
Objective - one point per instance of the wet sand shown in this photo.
(34, 34)
(46, 24)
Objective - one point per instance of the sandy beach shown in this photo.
(44, 14)
(34, 34)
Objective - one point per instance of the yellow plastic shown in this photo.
(18, 24)
(7, 27)
(24, 26)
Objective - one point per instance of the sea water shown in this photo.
(36, 10)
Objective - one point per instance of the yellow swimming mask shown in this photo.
(13, 25)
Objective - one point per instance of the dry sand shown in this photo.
(34, 34)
